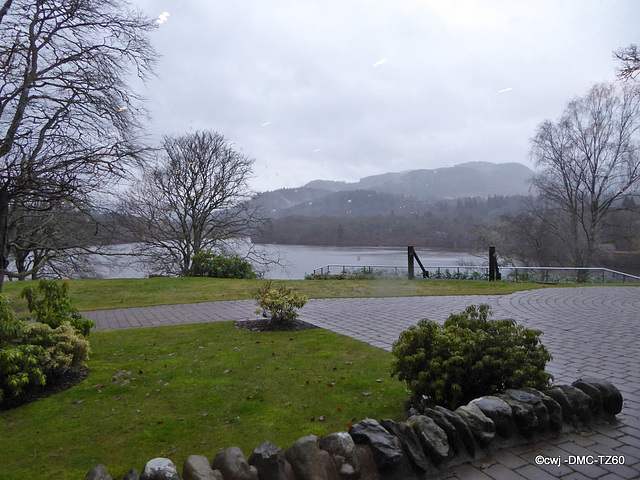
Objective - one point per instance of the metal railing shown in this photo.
(326, 269)
(481, 272)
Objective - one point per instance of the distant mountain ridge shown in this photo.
(471, 179)
(388, 193)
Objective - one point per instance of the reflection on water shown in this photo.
(303, 259)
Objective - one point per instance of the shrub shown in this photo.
(279, 303)
(205, 263)
(62, 348)
(31, 353)
(49, 303)
(468, 357)
(19, 365)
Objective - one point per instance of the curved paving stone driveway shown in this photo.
(590, 331)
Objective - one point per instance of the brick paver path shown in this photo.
(590, 331)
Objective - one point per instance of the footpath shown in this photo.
(590, 331)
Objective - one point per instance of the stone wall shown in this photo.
(424, 445)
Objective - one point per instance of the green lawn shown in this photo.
(182, 390)
(120, 293)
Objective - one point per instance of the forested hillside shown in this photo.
(370, 218)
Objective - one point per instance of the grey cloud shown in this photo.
(307, 68)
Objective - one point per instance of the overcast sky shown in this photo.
(342, 89)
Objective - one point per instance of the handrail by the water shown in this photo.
(439, 268)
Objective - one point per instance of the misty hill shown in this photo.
(398, 193)
(472, 179)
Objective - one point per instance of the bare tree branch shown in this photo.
(68, 120)
(194, 199)
(588, 161)
(629, 58)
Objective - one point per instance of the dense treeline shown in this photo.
(369, 203)
(441, 223)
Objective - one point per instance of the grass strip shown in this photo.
(181, 390)
(141, 292)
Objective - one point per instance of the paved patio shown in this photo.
(590, 331)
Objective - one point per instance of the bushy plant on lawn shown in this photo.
(468, 357)
(31, 353)
(63, 349)
(206, 263)
(19, 366)
(49, 303)
(279, 303)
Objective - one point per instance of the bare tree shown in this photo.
(629, 58)
(68, 120)
(195, 198)
(588, 162)
(57, 241)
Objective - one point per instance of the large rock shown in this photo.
(98, 472)
(593, 392)
(568, 415)
(368, 469)
(524, 415)
(342, 448)
(233, 465)
(482, 427)
(539, 407)
(581, 402)
(553, 408)
(410, 443)
(329, 465)
(131, 475)
(305, 459)
(498, 411)
(270, 462)
(462, 429)
(160, 469)
(611, 396)
(386, 448)
(432, 438)
(453, 438)
(197, 467)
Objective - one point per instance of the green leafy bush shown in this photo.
(19, 365)
(205, 263)
(468, 357)
(49, 303)
(62, 348)
(31, 353)
(279, 303)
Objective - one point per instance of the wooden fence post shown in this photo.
(493, 265)
(410, 254)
